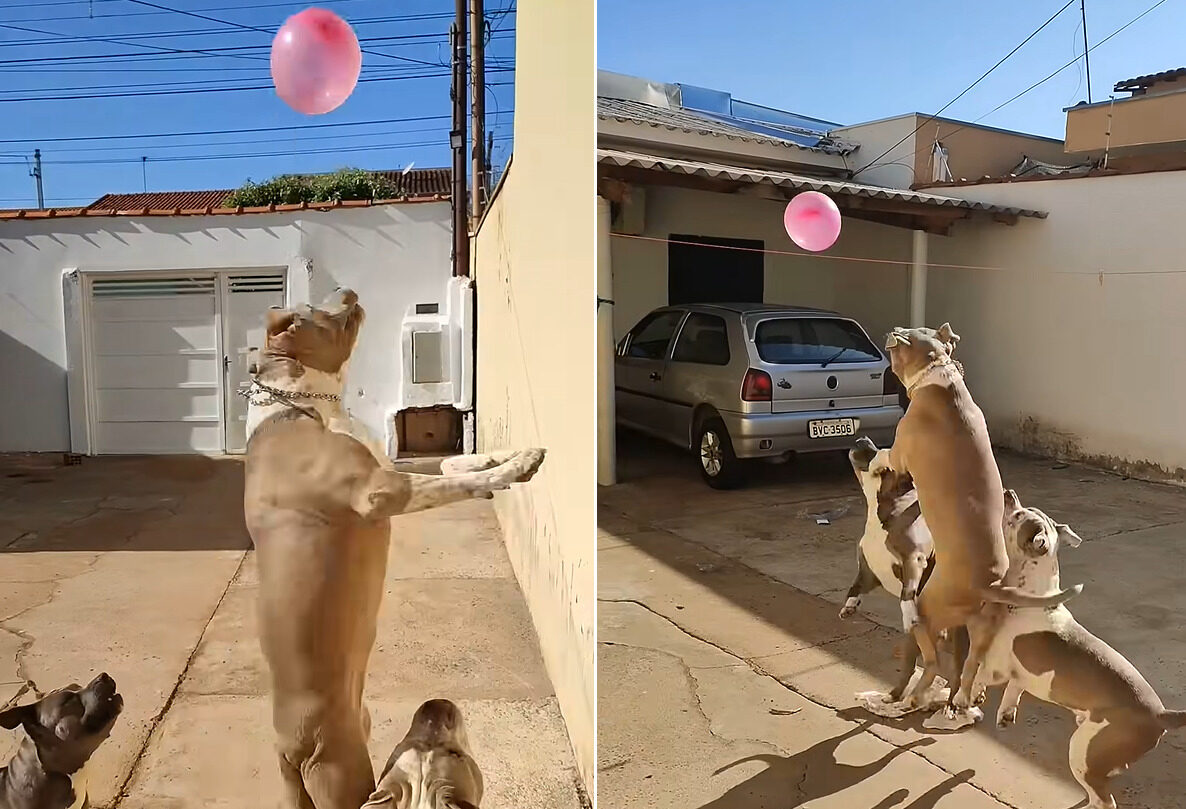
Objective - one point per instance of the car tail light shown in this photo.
(756, 387)
(892, 386)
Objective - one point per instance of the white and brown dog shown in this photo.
(1047, 653)
(432, 768)
(317, 503)
(942, 443)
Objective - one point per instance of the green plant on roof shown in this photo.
(293, 189)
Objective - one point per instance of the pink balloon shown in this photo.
(315, 61)
(812, 221)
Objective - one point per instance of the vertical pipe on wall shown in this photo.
(457, 142)
(606, 440)
(477, 27)
(918, 280)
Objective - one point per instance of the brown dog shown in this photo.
(432, 768)
(942, 443)
(317, 503)
(63, 730)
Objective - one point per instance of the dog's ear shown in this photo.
(947, 335)
(895, 339)
(1067, 534)
(278, 320)
(13, 718)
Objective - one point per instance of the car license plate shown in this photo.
(831, 428)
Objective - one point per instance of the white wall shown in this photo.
(394, 256)
(1063, 362)
(876, 295)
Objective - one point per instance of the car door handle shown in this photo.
(656, 376)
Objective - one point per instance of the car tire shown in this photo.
(718, 466)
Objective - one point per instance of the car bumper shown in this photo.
(772, 435)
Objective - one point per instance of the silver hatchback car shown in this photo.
(733, 382)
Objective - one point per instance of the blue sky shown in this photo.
(870, 59)
(66, 55)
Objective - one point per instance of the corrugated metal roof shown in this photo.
(1141, 82)
(414, 183)
(800, 182)
(684, 120)
(67, 213)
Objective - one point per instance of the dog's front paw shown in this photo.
(1007, 718)
(850, 608)
(520, 467)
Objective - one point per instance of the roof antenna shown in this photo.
(407, 168)
(144, 172)
(1086, 50)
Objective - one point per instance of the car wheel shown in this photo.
(719, 467)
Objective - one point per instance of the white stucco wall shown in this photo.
(1065, 362)
(877, 295)
(394, 256)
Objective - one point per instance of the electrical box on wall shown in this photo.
(428, 366)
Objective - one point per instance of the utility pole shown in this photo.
(477, 28)
(457, 142)
(1086, 53)
(144, 172)
(36, 174)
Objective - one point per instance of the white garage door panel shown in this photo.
(156, 365)
(160, 437)
(165, 404)
(132, 338)
(169, 308)
(148, 372)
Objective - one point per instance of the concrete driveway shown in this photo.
(140, 567)
(726, 679)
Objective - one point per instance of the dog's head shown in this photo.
(68, 725)
(912, 350)
(1031, 534)
(432, 767)
(322, 337)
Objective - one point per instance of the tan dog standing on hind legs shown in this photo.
(942, 443)
(317, 503)
(1048, 654)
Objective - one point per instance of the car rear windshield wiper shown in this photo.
(833, 358)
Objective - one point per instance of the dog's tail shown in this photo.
(999, 594)
(1173, 719)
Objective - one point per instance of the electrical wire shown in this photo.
(967, 89)
(1040, 82)
(268, 32)
(201, 90)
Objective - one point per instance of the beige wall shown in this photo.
(534, 271)
(877, 295)
(1135, 122)
(1063, 362)
(972, 151)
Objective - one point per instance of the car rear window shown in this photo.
(807, 340)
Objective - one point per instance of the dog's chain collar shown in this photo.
(942, 362)
(285, 397)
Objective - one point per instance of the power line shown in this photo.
(1040, 82)
(125, 43)
(242, 131)
(202, 90)
(382, 147)
(428, 16)
(964, 92)
(268, 32)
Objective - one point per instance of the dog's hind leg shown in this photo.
(388, 493)
(913, 568)
(1010, 700)
(295, 795)
(908, 648)
(339, 775)
(865, 583)
(982, 628)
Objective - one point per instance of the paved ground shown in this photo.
(726, 679)
(140, 567)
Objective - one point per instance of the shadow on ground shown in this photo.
(760, 552)
(125, 503)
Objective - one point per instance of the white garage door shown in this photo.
(156, 365)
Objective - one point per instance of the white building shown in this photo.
(131, 331)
